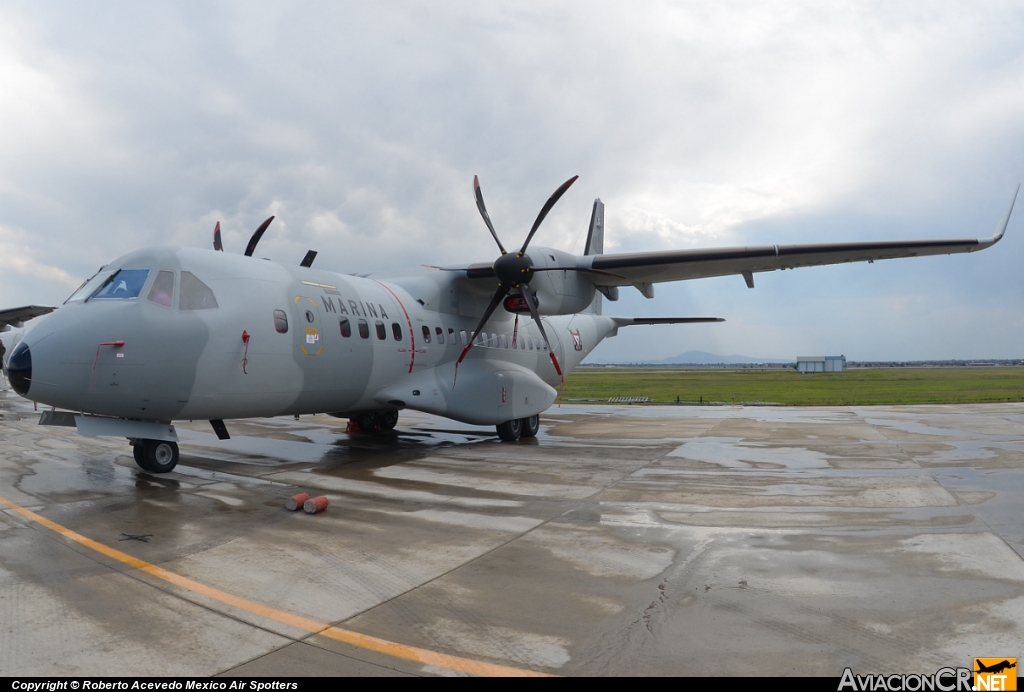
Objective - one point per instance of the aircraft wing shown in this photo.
(16, 316)
(678, 265)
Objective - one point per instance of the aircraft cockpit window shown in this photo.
(426, 334)
(124, 285)
(382, 332)
(396, 329)
(90, 285)
(364, 329)
(440, 335)
(346, 327)
(195, 295)
(281, 321)
(162, 290)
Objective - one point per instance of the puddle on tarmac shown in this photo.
(729, 453)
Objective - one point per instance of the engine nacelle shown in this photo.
(559, 292)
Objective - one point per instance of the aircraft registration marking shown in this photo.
(362, 641)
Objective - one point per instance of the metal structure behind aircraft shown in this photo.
(165, 334)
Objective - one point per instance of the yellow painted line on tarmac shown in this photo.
(363, 641)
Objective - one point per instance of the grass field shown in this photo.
(854, 387)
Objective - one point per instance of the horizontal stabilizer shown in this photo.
(627, 321)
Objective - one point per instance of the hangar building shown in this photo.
(821, 363)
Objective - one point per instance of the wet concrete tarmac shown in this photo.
(623, 541)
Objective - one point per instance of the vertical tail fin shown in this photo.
(595, 246)
(595, 236)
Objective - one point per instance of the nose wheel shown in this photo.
(155, 456)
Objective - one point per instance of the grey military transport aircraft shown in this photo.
(165, 334)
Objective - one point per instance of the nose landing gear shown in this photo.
(155, 456)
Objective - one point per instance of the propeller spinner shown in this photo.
(514, 271)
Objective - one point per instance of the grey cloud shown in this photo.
(361, 126)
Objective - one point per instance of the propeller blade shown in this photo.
(531, 300)
(251, 247)
(546, 208)
(499, 295)
(217, 245)
(307, 261)
(483, 212)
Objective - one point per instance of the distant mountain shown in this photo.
(705, 358)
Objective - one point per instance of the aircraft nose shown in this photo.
(19, 369)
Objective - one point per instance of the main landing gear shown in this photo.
(155, 456)
(375, 421)
(512, 430)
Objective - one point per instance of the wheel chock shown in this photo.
(296, 502)
(314, 505)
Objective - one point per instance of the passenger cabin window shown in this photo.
(396, 330)
(162, 289)
(504, 341)
(382, 332)
(281, 321)
(195, 295)
(364, 329)
(451, 336)
(346, 327)
(440, 335)
(124, 285)
(426, 334)
(464, 337)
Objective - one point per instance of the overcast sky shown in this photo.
(699, 125)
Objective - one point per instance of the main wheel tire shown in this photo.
(139, 452)
(388, 419)
(531, 426)
(160, 456)
(510, 431)
(368, 422)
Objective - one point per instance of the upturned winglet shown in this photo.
(1001, 228)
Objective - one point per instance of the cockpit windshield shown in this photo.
(90, 285)
(125, 284)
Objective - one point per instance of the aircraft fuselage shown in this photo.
(280, 340)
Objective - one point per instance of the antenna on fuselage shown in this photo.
(217, 245)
